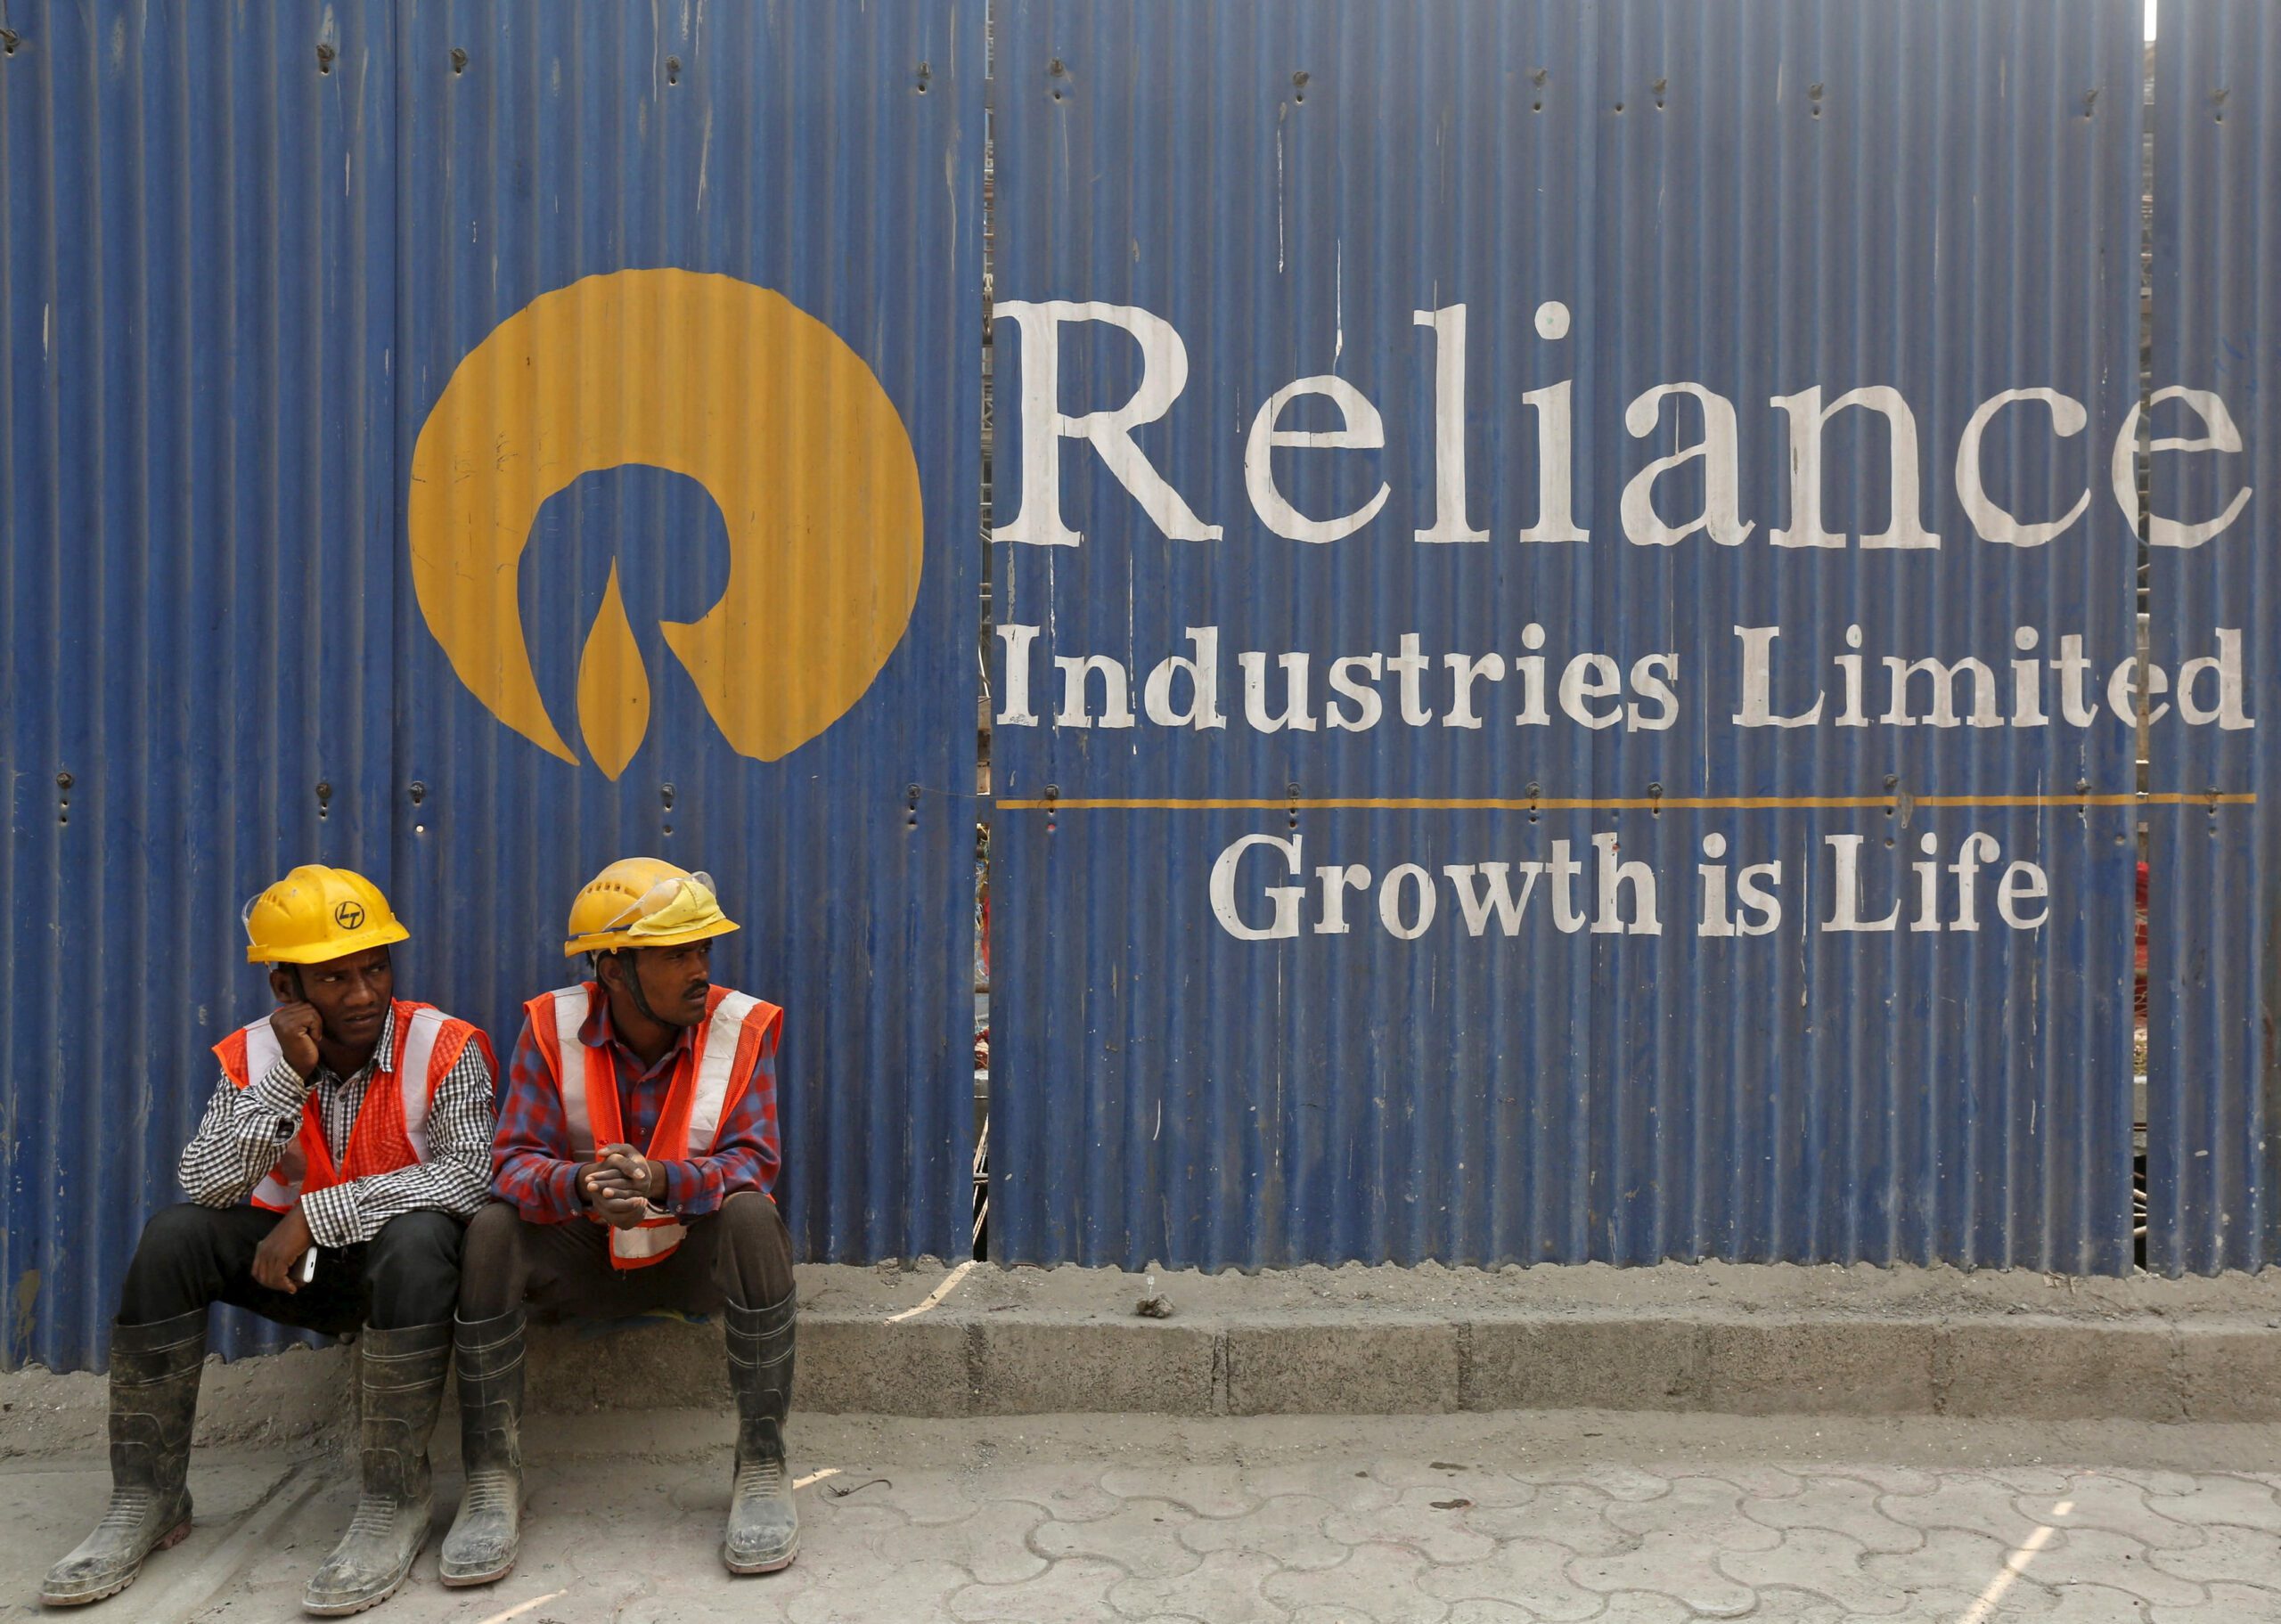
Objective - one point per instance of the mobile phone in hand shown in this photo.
(306, 1270)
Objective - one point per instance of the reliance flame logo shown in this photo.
(705, 376)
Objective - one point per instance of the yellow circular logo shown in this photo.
(732, 386)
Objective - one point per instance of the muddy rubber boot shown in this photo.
(488, 1356)
(154, 1370)
(402, 1378)
(764, 1530)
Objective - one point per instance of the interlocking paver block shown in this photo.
(1399, 1472)
(1286, 1529)
(2095, 1604)
(1820, 1562)
(1224, 1588)
(1378, 1580)
(2233, 1604)
(1416, 1521)
(1645, 1607)
(1142, 1537)
(1954, 1562)
(2155, 1480)
(929, 1496)
(1570, 1514)
(1530, 1571)
(1075, 1591)
(1780, 1606)
(2095, 1557)
(1842, 1506)
(893, 1595)
(1340, 1482)
(2121, 1507)
(1703, 1509)
(2031, 1481)
(1617, 1481)
(992, 1545)
(1208, 1491)
(1476, 1610)
(2234, 1555)
(1683, 1565)
(1758, 1481)
(1074, 1494)
(2239, 1501)
(1483, 1486)
(1978, 1505)
(1885, 1479)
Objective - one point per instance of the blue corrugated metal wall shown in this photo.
(1762, 198)
(2214, 1164)
(245, 251)
(251, 257)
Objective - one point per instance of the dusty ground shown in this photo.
(1568, 1515)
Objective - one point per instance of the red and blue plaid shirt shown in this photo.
(531, 1160)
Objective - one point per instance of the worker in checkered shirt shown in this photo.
(347, 1145)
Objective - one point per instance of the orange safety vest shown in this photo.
(709, 1078)
(391, 1128)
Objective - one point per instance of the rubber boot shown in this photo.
(488, 1356)
(764, 1530)
(402, 1376)
(154, 1370)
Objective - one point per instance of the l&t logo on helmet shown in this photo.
(349, 916)
(706, 376)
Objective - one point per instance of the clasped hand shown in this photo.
(619, 1184)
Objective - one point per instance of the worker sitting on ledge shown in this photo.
(346, 1145)
(651, 1053)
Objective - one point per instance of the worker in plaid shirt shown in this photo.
(345, 1147)
(636, 1147)
(531, 1153)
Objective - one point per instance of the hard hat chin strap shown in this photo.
(632, 971)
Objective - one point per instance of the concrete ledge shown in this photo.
(1721, 1338)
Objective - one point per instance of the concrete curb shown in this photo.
(1730, 1339)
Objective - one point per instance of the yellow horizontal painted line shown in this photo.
(1611, 803)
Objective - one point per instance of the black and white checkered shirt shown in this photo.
(247, 1130)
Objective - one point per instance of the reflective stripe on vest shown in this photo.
(263, 1051)
(714, 1084)
(415, 1056)
(567, 1005)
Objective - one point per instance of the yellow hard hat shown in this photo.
(315, 914)
(644, 901)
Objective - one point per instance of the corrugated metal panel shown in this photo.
(1762, 198)
(2214, 1163)
(247, 251)
(199, 435)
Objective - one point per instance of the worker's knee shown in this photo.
(491, 1277)
(186, 1258)
(493, 1235)
(751, 1215)
(412, 1270)
(176, 1234)
(759, 1247)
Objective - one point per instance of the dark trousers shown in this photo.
(740, 1255)
(190, 1256)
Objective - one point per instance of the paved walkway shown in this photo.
(1475, 1519)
